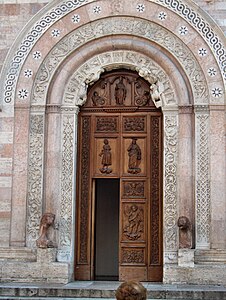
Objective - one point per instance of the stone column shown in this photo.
(170, 190)
(186, 164)
(35, 174)
(69, 121)
(202, 177)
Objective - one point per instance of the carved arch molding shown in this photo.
(73, 97)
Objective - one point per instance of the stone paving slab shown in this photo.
(106, 290)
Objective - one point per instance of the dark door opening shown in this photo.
(106, 229)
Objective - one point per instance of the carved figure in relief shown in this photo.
(120, 92)
(131, 290)
(97, 99)
(134, 226)
(185, 234)
(156, 90)
(106, 157)
(146, 74)
(43, 241)
(134, 153)
(94, 75)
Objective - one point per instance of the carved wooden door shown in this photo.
(120, 136)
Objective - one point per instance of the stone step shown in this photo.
(85, 290)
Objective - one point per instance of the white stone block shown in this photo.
(186, 258)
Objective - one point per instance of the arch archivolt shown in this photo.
(77, 56)
(168, 13)
(151, 33)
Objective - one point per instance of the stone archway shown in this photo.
(51, 97)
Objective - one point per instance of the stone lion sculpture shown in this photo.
(185, 236)
(43, 241)
(131, 290)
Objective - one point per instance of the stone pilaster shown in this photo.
(68, 181)
(202, 177)
(170, 189)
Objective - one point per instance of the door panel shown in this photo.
(121, 138)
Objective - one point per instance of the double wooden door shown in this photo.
(119, 186)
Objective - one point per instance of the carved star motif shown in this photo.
(76, 19)
(217, 92)
(22, 93)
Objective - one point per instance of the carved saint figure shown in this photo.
(185, 236)
(43, 241)
(106, 157)
(97, 99)
(134, 226)
(134, 153)
(120, 92)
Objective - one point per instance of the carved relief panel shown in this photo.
(106, 154)
(120, 90)
(133, 222)
(134, 156)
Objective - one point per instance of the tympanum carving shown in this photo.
(44, 241)
(106, 157)
(134, 153)
(185, 235)
(134, 223)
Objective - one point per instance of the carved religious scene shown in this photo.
(119, 89)
(44, 240)
(106, 158)
(134, 153)
(134, 222)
